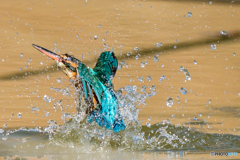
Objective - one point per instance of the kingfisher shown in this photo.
(95, 84)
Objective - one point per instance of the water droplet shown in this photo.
(175, 47)
(77, 35)
(10, 21)
(142, 64)
(21, 55)
(155, 59)
(136, 49)
(173, 115)
(24, 140)
(195, 118)
(194, 62)
(129, 53)
(213, 46)
(47, 114)
(159, 44)
(143, 89)
(162, 78)
(148, 125)
(19, 115)
(140, 79)
(149, 118)
(149, 78)
(169, 102)
(162, 65)
(5, 125)
(210, 2)
(183, 90)
(47, 99)
(223, 33)
(153, 87)
(1, 130)
(20, 69)
(99, 26)
(59, 80)
(188, 76)
(3, 60)
(36, 147)
(139, 5)
(4, 138)
(181, 68)
(189, 14)
(234, 54)
(95, 37)
(41, 63)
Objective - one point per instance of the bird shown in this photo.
(95, 84)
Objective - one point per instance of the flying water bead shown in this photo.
(234, 54)
(162, 78)
(21, 55)
(47, 99)
(77, 35)
(59, 80)
(136, 49)
(19, 115)
(129, 53)
(149, 78)
(142, 64)
(95, 37)
(213, 46)
(143, 89)
(159, 44)
(188, 76)
(1, 130)
(183, 90)
(210, 2)
(3, 60)
(181, 68)
(194, 62)
(148, 125)
(169, 102)
(153, 87)
(189, 14)
(223, 33)
(47, 114)
(155, 59)
(140, 79)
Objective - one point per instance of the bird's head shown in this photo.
(66, 62)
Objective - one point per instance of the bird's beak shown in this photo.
(50, 54)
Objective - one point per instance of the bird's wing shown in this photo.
(106, 67)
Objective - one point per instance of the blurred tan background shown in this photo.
(70, 26)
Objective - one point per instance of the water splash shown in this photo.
(77, 135)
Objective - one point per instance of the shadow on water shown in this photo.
(142, 52)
